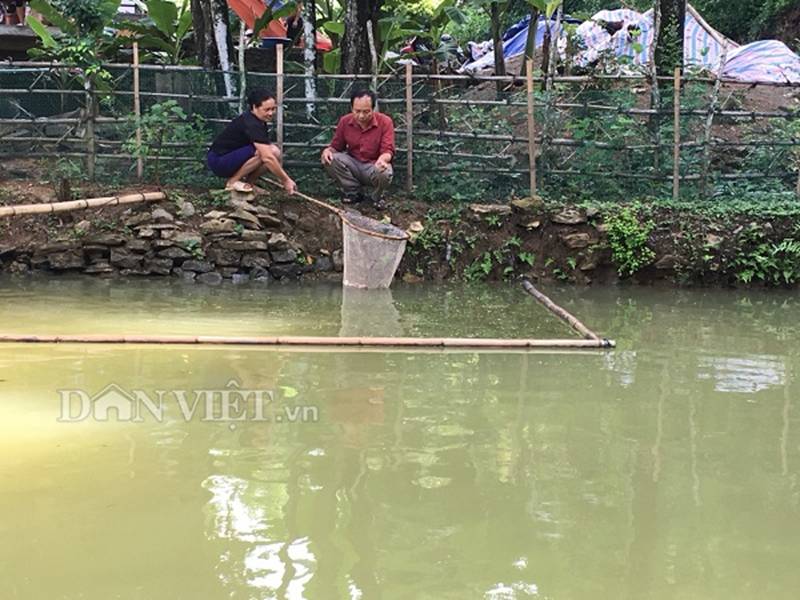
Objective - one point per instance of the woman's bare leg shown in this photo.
(251, 164)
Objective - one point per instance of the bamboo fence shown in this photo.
(91, 147)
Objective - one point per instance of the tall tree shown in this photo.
(355, 42)
(212, 38)
(669, 45)
(496, 11)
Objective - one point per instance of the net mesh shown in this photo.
(372, 251)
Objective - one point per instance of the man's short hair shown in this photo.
(361, 94)
(257, 96)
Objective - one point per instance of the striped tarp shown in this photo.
(764, 61)
(767, 61)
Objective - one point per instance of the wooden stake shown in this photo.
(560, 312)
(91, 142)
(137, 111)
(53, 207)
(531, 128)
(360, 342)
(409, 129)
(797, 191)
(676, 147)
(279, 95)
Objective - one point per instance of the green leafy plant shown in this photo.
(195, 249)
(627, 237)
(84, 40)
(167, 132)
(772, 263)
(494, 221)
(572, 262)
(163, 33)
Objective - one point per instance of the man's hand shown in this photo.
(327, 156)
(381, 164)
(289, 185)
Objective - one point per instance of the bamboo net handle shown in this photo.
(325, 205)
(54, 207)
(560, 312)
(343, 215)
(306, 341)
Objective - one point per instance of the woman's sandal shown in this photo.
(240, 186)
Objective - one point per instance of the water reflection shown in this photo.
(578, 475)
(744, 374)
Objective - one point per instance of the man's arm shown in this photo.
(387, 146)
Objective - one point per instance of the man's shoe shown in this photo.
(351, 198)
(375, 200)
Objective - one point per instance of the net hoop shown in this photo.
(399, 236)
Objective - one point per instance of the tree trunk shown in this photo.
(309, 54)
(355, 44)
(669, 45)
(205, 14)
(497, 40)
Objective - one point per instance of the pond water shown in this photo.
(666, 468)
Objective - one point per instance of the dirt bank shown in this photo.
(204, 236)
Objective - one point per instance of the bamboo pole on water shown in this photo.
(676, 148)
(531, 126)
(137, 111)
(289, 341)
(279, 95)
(54, 207)
(409, 128)
(560, 312)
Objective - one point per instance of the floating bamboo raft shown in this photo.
(591, 339)
(362, 342)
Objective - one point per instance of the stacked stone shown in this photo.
(243, 242)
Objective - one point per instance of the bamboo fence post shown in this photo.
(137, 111)
(409, 129)
(676, 149)
(279, 95)
(91, 142)
(242, 73)
(712, 107)
(560, 312)
(797, 160)
(531, 128)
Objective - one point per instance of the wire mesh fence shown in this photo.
(468, 138)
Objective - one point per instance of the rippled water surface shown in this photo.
(666, 468)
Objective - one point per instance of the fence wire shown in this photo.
(595, 138)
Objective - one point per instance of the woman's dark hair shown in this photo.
(361, 94)
(257, 96)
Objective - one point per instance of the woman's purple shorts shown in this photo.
(225, 165)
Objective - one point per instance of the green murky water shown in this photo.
(667, 468)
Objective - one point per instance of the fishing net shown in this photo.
(372, 251)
